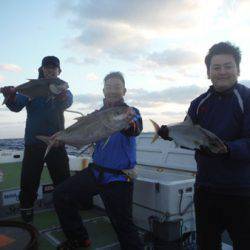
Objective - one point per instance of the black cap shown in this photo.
(51, 60)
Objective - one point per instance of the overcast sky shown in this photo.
(159, 46)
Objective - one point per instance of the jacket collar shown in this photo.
(225, 93)
(109, 104)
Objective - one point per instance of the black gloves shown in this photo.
(9, 93)
(163, 132)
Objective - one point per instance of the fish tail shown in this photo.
(47, 139)
(156, 127)
(5, 101)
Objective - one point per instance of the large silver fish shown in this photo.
(42, 87)
(193, 136)
(91, 128)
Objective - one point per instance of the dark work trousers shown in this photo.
(117, 198)
(58, 165)
(216, 213)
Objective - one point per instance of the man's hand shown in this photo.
(163, 132)
(222, 151)
(130, 115)
(62, 96)
(8, 91)
(9, 94)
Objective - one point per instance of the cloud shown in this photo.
(91, 101)
(141, 13)
(125, 29)
(176, 57)
(165, 78)
(130, 29)
(86, 60)
(180, 95)
(1, 78)
(10, 68)
(172, 113)
(114, 39)
(142, 98)
(92, 77)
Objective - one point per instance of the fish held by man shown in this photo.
(189, 135)
(91, 128)
(41, 87)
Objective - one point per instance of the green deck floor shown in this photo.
(98, 225)
(96, 222)
(12, 172)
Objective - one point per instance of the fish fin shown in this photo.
(105, 143)
(81, 118)
(48, 140)
(188, 120)
(75, 112)
(216, 145)
(156, 127)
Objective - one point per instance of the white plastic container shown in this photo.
(78, 163)
(168, 196)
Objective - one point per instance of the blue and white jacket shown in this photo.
(227, 115)
(120, 151)
(44, 117)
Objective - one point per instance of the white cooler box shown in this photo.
(166, 196)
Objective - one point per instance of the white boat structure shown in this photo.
(163, 191)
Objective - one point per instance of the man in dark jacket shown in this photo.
(104, 176)
(222, 194)
(44, 117)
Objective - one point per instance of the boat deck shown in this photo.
(50, 233)
(45, 220)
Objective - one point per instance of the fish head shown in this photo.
(57, 86)
(124, 113)
(119, 117)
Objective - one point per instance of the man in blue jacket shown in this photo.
(222, 194)
(44, 117)
(106, 177)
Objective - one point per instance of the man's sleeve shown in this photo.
(192, 111)
(18, 103)
(240, 149)
(135, 126)
(64, 100)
